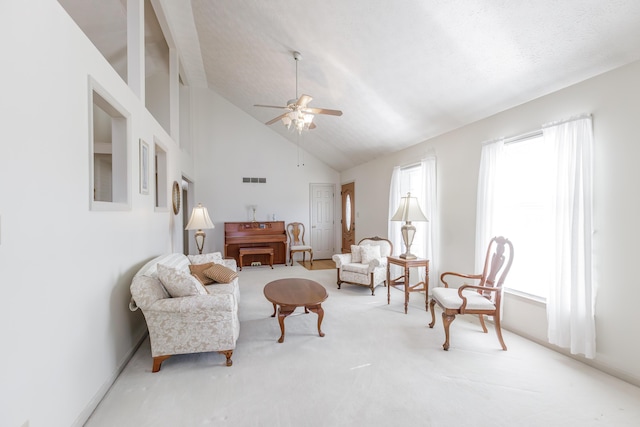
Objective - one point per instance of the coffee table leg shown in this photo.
(320, 312)
(274, 311)
(283, 312)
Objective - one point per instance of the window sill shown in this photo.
(526, 297)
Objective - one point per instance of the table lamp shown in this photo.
(408, 211)
(199, 221)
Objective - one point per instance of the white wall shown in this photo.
(230, 145)
(614, 100)
(65, 270)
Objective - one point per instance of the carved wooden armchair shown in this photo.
(296, 241)
(481, 299)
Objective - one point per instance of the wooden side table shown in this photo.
(403, 280)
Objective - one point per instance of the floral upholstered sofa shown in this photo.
(190, 304)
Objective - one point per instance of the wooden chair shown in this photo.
(296, 241)
(481, 299)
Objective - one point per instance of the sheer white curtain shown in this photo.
(430, 209)
(489, 198)
(570, 305)
(426, 241)
(395, 193)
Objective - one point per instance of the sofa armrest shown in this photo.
(341, 259)
(230, 263)
(195, 304)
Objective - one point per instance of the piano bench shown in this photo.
(256, 251)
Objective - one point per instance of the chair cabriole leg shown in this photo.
(496, 320)
(484, 327)
(432, 303)
(447, 319)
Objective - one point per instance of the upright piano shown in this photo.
(270, 234)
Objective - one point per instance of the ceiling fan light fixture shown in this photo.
(299, 114)
(307, 118)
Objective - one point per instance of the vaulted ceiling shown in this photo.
(401, 72)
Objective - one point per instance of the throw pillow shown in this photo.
(369, 253)
(204, 258)
(221, 274)
(197, 271)
(355, 254)
(179, 283)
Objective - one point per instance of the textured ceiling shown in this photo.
(401, 72)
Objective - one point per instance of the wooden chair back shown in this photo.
(497, 264)
(296, 233)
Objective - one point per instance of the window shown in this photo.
(105, 24)
(553, 237)
(156, 65)
(109, 141)
(412, 181)
(524, 213)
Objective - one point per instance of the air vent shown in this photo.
(255, 180)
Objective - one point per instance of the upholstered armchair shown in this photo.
(366, 265)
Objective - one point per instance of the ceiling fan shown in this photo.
(297, 112)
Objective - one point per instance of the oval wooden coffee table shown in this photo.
(288, 294)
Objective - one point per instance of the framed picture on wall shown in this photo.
(144, 167)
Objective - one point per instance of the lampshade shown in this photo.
(199, 219)
(409, 210)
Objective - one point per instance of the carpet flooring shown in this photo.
(376, 366)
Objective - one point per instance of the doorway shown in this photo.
(348, 216)
(322, 220)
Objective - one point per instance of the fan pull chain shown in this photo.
(299, 152)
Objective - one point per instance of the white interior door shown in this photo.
(322, 220)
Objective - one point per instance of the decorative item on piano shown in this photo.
(253, 209)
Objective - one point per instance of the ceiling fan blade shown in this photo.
(268, 106)
(272, 121)
(322, 111)
(303, 101)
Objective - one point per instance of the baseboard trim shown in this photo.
(593, 363)
(86, 413)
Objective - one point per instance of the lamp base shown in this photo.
(408, 255)
(199, 236)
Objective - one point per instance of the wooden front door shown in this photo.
(348, 217)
